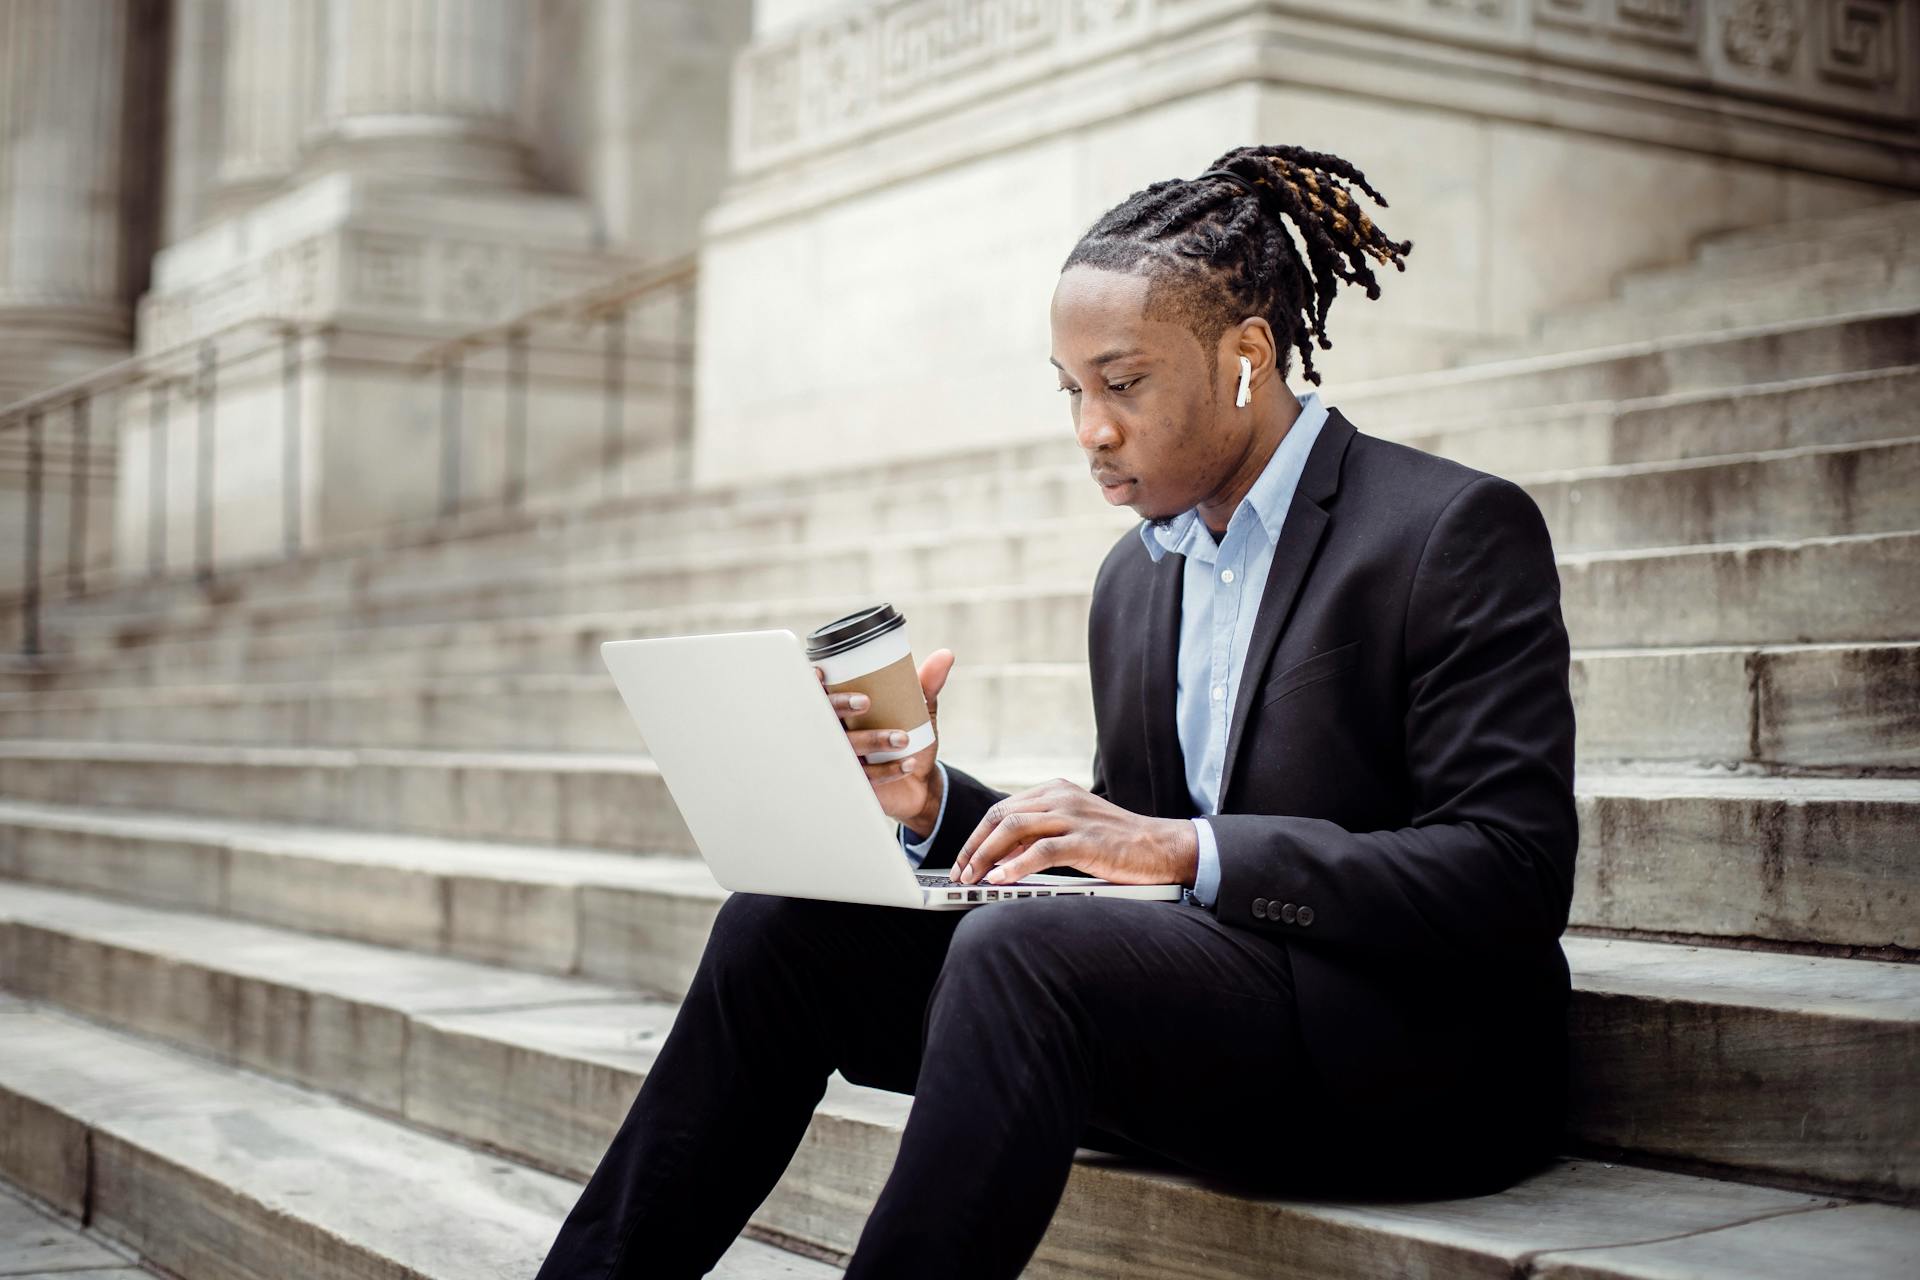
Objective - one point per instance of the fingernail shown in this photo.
(994, 875)
(858, 701)
(898, 739)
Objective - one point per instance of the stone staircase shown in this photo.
(343, 911)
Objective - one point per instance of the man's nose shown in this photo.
(1095, 431)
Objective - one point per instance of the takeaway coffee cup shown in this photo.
(867, 652)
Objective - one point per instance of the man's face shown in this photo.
(1151, 417)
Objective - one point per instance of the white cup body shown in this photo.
(850, 664)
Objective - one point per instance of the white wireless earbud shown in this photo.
(1246, 372)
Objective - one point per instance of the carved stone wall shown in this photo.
(910, 173)
(1844, 68)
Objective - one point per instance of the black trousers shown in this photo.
(1023, 1030)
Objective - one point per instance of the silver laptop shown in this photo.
(766, 780)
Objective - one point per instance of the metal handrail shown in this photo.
(30, 412)
(607, 304)
(596, 303)
(132, 367)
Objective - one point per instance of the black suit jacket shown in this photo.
(1399, 768)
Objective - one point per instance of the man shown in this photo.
(1330, 683)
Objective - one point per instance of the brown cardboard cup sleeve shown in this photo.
(898, 703)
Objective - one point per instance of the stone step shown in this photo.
(1816, 590)
(1719, 262)
(1805, 491)
(1874, 263)
(1047, 548)
(808, 506)
(1801, 292)
(1743, 856)
(169, 1171)
(1814, 706)
(1802, 234)
(209, 1170)
(1863, 340)
(1027, 623)
(815, 507)
(601, 800)
(1832, 409)
(1691, 854)
(36, 1243)
(1795, 706)
(1812, 1065)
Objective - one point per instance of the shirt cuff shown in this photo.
(917, 853)
(1206, 880)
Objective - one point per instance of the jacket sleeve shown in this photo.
(962, 806)
(917, 850)
(1488, 861)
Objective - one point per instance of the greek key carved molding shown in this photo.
(1861, 40)
(1671, 24)
(865, 67)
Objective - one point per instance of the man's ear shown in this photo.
(1255, 341)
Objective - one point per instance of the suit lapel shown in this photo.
(1166, 763)
(1300, 535)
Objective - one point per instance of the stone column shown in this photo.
(64, 273)
(427, 89)
(266, 100)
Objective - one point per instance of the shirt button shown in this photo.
(1226, 575)
(1219, 692)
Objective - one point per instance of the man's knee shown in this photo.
(1034, 937)
(748, 924)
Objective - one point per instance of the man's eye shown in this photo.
(1074, 391)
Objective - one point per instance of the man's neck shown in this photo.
(1255, 462)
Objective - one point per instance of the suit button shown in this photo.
(1287, 913)
(1306, 915)
(1260, 908)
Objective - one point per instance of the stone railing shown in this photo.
(1845, 68)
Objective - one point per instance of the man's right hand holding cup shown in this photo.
(909, 788)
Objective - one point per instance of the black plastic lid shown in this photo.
(855, 629)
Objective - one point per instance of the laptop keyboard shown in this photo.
(984, 891)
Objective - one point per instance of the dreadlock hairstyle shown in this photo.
(1215, 255)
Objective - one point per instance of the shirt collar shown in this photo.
(1271, 494)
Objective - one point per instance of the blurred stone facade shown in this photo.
(879, 192)
(909, 174)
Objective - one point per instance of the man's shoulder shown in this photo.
(1392, 472)
(1405, 491)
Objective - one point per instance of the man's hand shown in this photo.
(1062, 824)
(907, 788)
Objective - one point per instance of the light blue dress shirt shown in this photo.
(1220, 599)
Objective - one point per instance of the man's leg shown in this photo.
(787, 990)
(1150, 1019)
